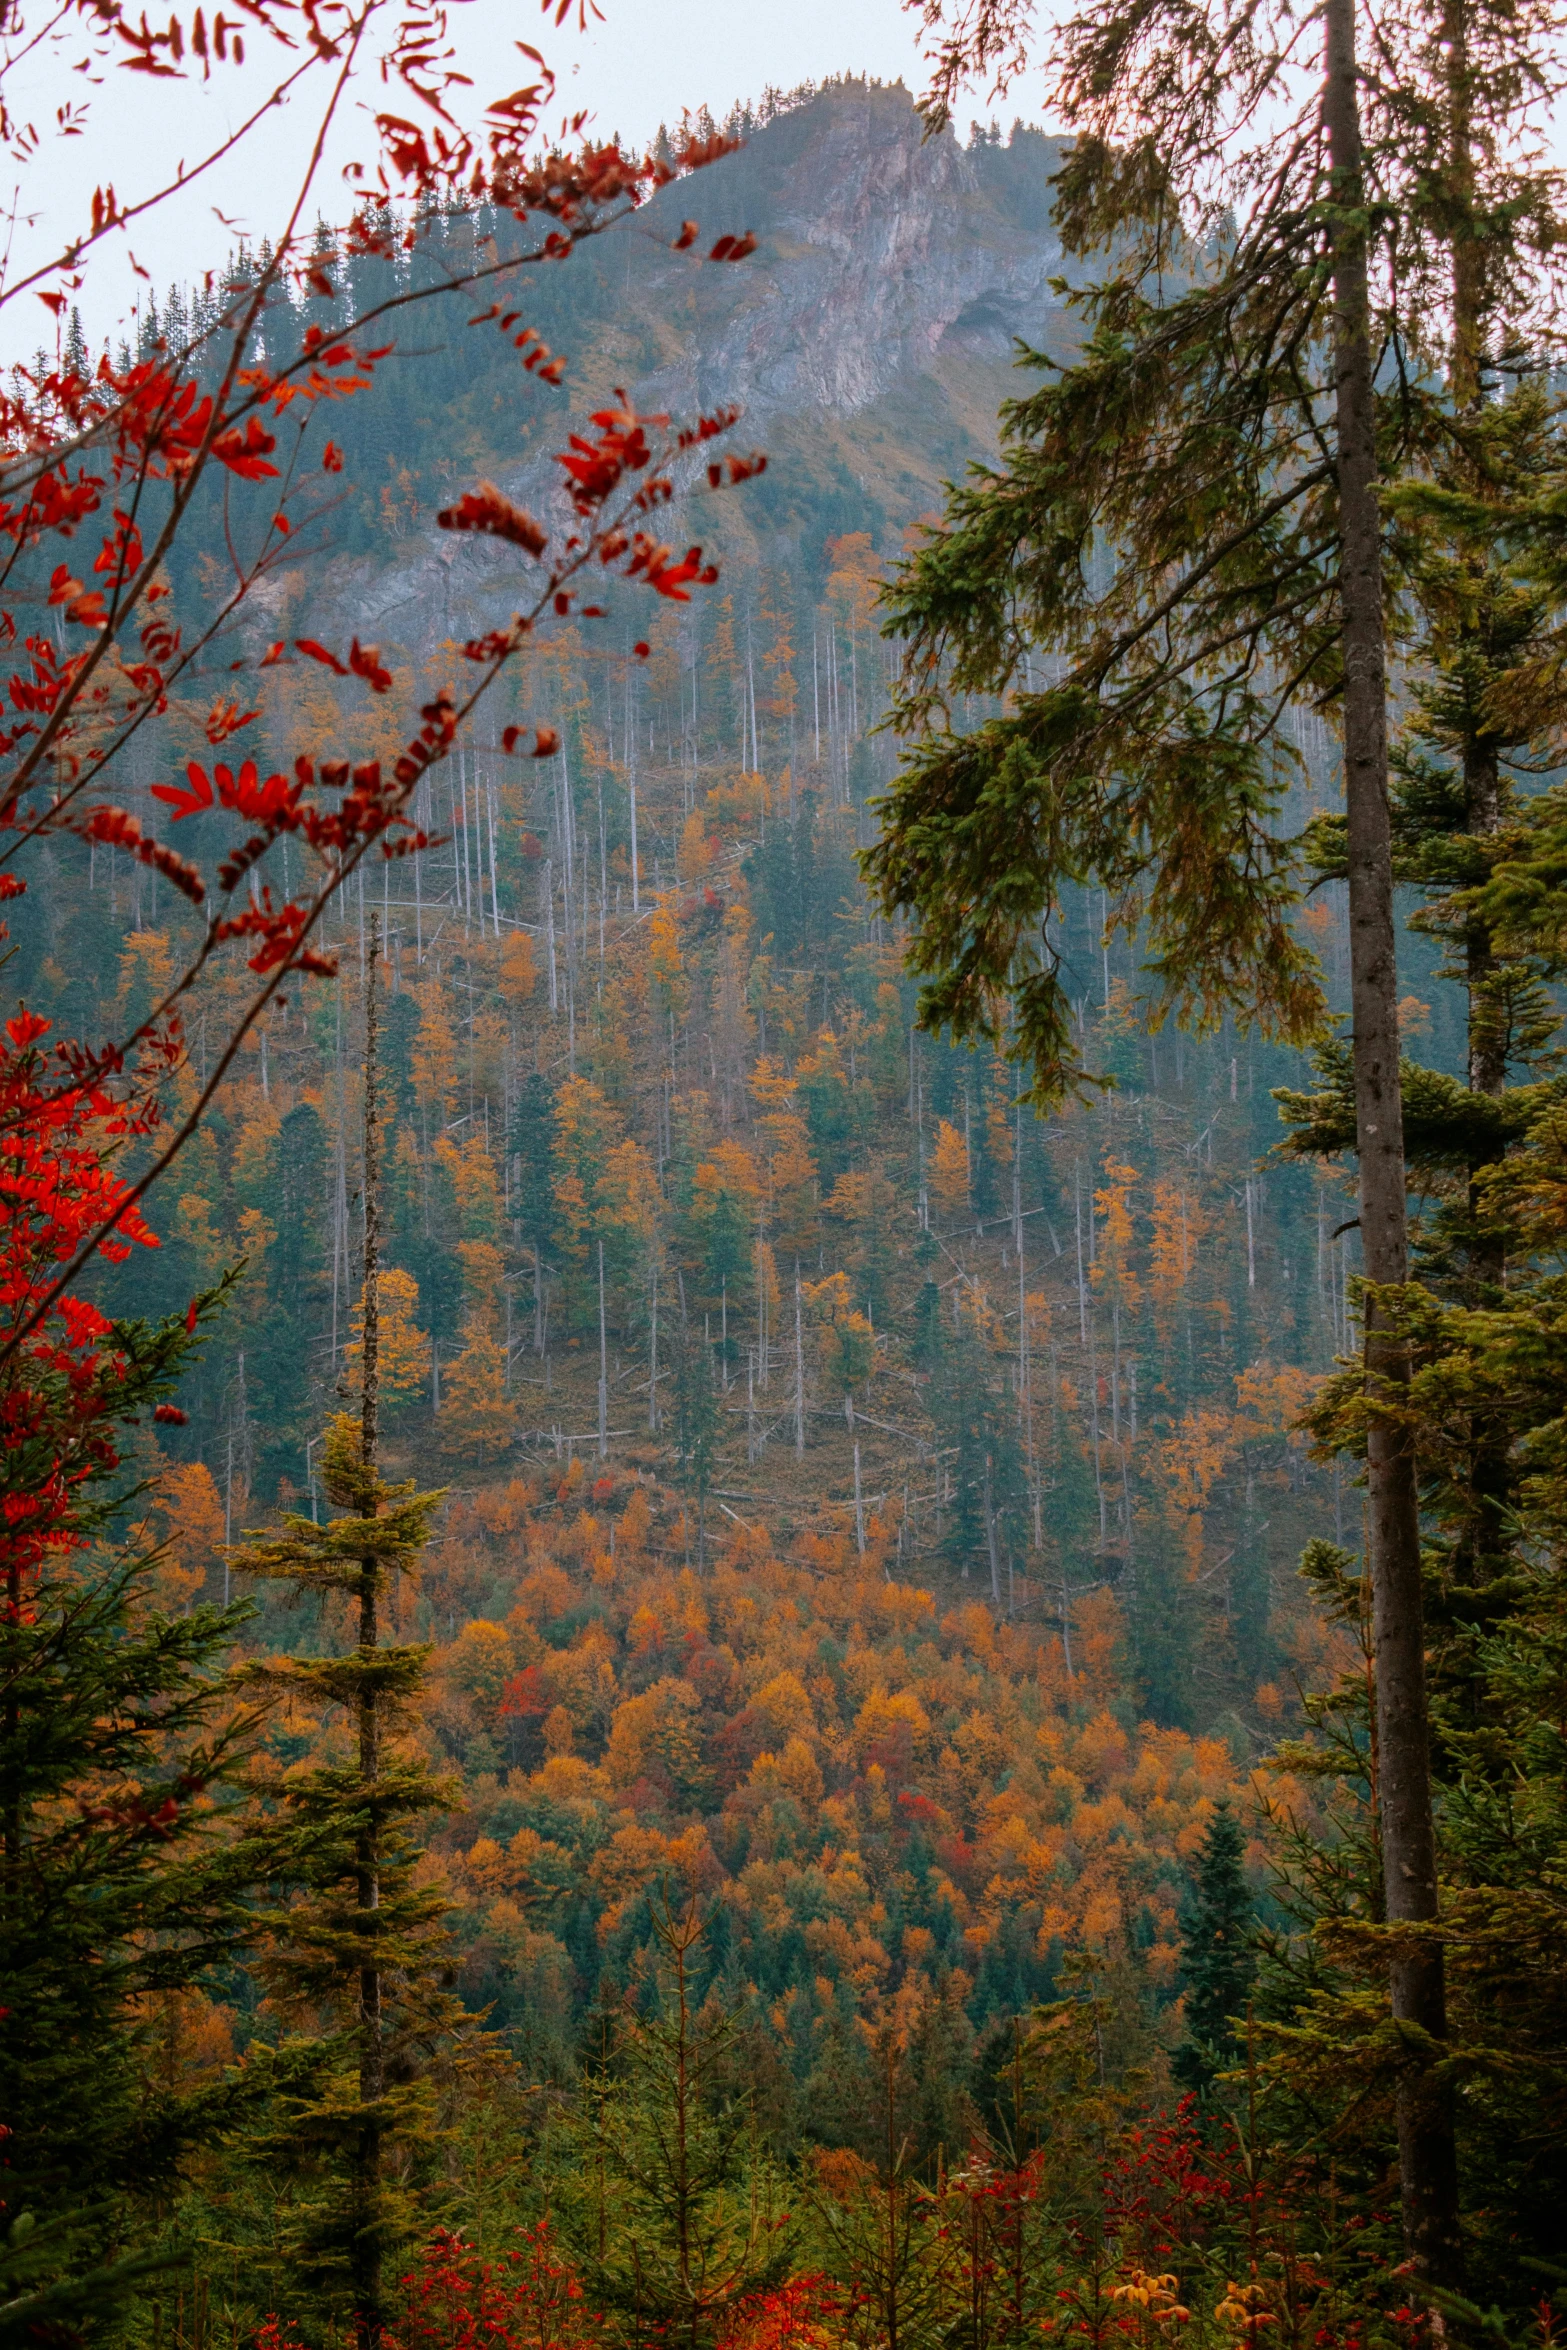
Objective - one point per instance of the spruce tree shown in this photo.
(1476, 729)
(1218, 1964)
(1486, 1398)
(675, 2211)
(1186, 535)
(366, 1944)
(124, 1872)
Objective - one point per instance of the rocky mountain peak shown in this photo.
(881, 253)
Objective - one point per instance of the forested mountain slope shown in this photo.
(864, 1499)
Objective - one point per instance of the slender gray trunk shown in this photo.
(603, 1365)
(368, 2317)
(1427, 2165)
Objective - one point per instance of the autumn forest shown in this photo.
(783, 1418)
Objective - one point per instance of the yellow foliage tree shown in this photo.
(791, 1168)
(478, 1419)
(725, 1193)
(249, 1162)
(519, 974)
(146, 973)
(848, 1343)
(665, 962)
(404, 1350)
(1191, 1462)
(1113, 1256)
(853, 579)
(192, 1511)
(434, 1055)
(949, 1172)
(475, 1186)
(197, 1232)
(1178, 1226)
(628, 1199)
(483, 1270)
(658, 1728)
(696, 849)
(777, 627)
(587, 1129)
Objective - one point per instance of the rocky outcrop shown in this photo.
(879, 251)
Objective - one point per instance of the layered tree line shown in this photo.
(700, 1720)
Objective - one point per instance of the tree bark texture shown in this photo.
(1427, 2164)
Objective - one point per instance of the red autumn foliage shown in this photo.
(489, 510)
(527, 1693)
(1170, 2182)
(791, 2317)
(527, 2299)
(63, 1370)
(80, 443)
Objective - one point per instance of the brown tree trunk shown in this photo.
(1427, 2164)
(369, 2317)
(1476, 1557)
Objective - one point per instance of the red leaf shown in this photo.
(186, 803)
(526, 1693)
(246, 453)
(365, 662)
(331, 458)
(308, 645)
(490, 511)
(122, 550)
(226, 718)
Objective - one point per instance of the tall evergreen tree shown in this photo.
(1187, 528)
(366, 1943)
(676, 2213)
(1218, 1964)
(123, 1882)
(1477, 726)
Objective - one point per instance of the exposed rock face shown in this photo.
(880, 251)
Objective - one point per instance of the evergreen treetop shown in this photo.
(1218, 1961)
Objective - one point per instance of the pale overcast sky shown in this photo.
(642, 66)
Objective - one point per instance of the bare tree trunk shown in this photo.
(603, 1366)
(990, 1541)
(367, 1860)
(1427, 2162)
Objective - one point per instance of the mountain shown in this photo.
(878, 320)
(870, 341)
